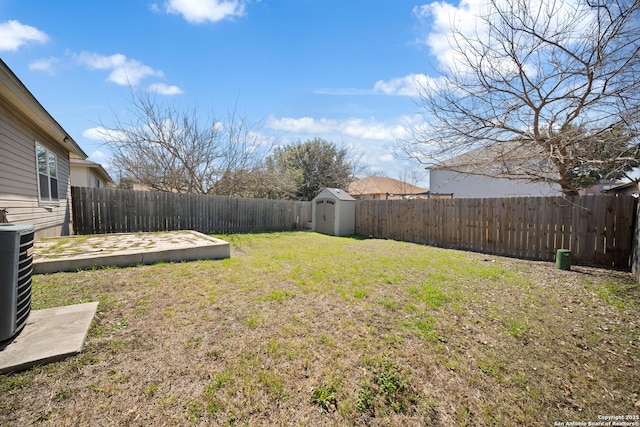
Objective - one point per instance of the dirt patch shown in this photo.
(304, 329)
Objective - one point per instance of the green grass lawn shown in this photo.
(304, 329)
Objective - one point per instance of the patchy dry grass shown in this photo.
(304, 329)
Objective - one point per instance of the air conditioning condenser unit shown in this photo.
(16, 259)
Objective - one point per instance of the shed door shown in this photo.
(325, 216)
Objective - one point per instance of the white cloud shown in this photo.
(408, 85)
(452, 28)
(405, 86)
(46, 65)
(98, 156)
(199, 11)
(370, 141)
(445, 17)
(163, 89)
(124, 71)
(103, 134)
(369, 129)
(95, 134)
(304, 124)
(13, 34)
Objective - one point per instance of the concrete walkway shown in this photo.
(49, 335)
(128, 249)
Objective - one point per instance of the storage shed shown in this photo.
(334, 212)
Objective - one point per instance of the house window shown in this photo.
(47, 174)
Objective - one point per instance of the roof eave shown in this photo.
(105, 175)
(22, 99)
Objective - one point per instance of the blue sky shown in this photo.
(344, 71)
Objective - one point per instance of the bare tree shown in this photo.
(262, 182)
(551, 86)
(165, 149)
(411, 176)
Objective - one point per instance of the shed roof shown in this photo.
(337, 193)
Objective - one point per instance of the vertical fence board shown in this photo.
(580, 226)
(609, 232)
(624, 230)
(544, 233)
(588, 231)
(567, 221)
(600, 229)
(489, 212)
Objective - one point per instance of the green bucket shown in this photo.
(563, 259)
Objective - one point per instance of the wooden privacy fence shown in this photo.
(105, 210)
(598, 230)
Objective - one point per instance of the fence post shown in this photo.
(635, 246)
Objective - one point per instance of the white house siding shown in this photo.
(81, 176)
(468, 186)
(19, 181)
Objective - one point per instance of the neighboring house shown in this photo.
(381, 188)
(478, 173)
(628, 189)
(85, 173)
(34, 165)
(599, 188)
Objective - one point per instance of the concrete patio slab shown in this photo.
(49, 335)
(126, 249)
